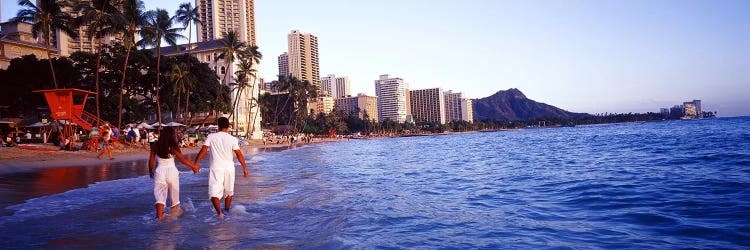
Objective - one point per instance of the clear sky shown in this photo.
(582, 56)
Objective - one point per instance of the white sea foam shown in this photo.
(238, 210)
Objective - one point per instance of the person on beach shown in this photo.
(143, 138)
(165, 175)
(106, 145)
(221, 173)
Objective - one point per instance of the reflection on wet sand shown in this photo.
(18, 187)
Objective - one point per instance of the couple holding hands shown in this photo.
(223, 148)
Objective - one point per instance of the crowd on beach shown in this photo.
(106, 141)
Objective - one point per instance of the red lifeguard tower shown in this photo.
(67, 104)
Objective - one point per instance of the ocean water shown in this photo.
(671, 184)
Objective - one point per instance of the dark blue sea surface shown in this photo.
(670, 184)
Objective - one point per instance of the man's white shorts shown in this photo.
(167, 179)
(221, 182)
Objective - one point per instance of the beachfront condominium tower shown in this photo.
(428, 105)
(221, 16)
(467, 110)
(452, 106)
(68, 45)
(336, 87)
(326, 84)
(392, 95)
(457, 108)
(303, 58)
(284, 64)
(341, 87)
(362, 105)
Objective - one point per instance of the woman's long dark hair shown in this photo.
(166, 143)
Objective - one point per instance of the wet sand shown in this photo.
(27, 174)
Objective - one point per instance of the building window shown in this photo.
(208, 58)
(223, 70)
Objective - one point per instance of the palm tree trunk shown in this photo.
(179, 94)
(96, 81)
(257, 111)
(158, 74)
(122, 87)
(187, 107)
(49, 59)
(236, 103)
(190, 35)
(276, 111)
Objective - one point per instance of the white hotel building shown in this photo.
(392, 99)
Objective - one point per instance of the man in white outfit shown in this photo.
(221, 173)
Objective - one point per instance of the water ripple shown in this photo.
(674, 184)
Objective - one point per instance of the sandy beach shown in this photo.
(15, 159)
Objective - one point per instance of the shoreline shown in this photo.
(16, 159)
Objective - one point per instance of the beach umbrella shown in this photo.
(37, 125)
(156, 124)
(144, 125)
(174, 124)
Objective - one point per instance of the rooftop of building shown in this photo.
(10, 33)
(193, 47)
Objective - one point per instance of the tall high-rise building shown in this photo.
(341, 87)
(698, 108)
(326, 84)
(221, 16)
(303, 58)
(676, 111)
(690, 110)
(336, 87)
(457, 108)
(362, 105)
(452, 106)
(67, 44)
(467, 110)
(284, 64)
(392, 94)
(428, 105)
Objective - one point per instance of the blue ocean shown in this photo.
(671, 184)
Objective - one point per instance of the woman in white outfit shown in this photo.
(166, 176)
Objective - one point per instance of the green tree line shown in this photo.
(118, 73)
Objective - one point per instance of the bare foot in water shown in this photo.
(176, 212)
(221, 215)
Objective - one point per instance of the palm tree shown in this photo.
(249, 57)
(231, 49)
(305, 92)
(158, 27)
(244, 73)
(187, 15)
(299, 93)
(182, 78)
(103, 18)
(255, 102)
(287, 84)
(134, 17)
(254, 56)
(46, 16)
